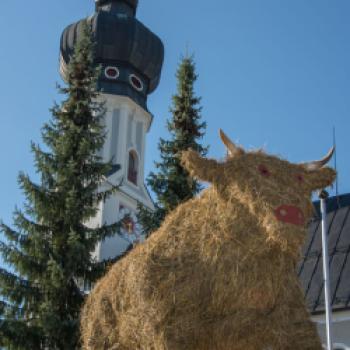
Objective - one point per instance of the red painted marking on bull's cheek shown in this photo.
(290, 214)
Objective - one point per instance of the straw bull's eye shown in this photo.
(300, 178)
(264, 171)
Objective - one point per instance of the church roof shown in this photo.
(310, 269)
(130, 55)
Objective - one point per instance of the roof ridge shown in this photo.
(334, 203)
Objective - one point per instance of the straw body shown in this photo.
(219, 274)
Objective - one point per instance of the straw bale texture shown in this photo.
(220, 272)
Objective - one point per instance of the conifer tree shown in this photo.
(49, 247)
(170, 182)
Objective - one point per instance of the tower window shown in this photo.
(112, 72)
(133, 167)
(136, 82)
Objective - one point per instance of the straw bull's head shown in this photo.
(275, 192)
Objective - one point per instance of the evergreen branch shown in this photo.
(96, 169)
(19, 335)
(3, 307)
(11, 311)
(44, 160)
(104, 195)
(15, 288)
(29, 226)
(32, 238)
(23, 263)
(13, 236)
(44, 201)
(103, 232)
(50, 132)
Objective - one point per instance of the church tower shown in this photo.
(131, 57)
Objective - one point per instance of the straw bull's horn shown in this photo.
(232, 149)
(318, 164)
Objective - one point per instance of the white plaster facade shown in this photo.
(126, 126)
(340, 329)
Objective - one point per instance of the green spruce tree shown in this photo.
(48, 250)
(170, 182)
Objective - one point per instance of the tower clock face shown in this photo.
(130, 228)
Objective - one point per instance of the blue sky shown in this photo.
(272, 73)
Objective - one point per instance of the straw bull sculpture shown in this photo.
(220, 272)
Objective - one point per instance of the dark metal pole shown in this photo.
(335, 162)
(323, 195)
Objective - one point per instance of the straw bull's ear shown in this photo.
(199, 167)
(321, 178)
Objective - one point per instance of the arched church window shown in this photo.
(133, 167)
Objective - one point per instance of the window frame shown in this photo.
(131, 76)
(133, 153)
(116, 70)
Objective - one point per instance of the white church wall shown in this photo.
(126, 125)
(115, 127)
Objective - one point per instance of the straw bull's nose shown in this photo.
(290, 214)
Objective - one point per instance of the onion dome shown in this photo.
(131, 56)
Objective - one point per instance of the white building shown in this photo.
(311, 272)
